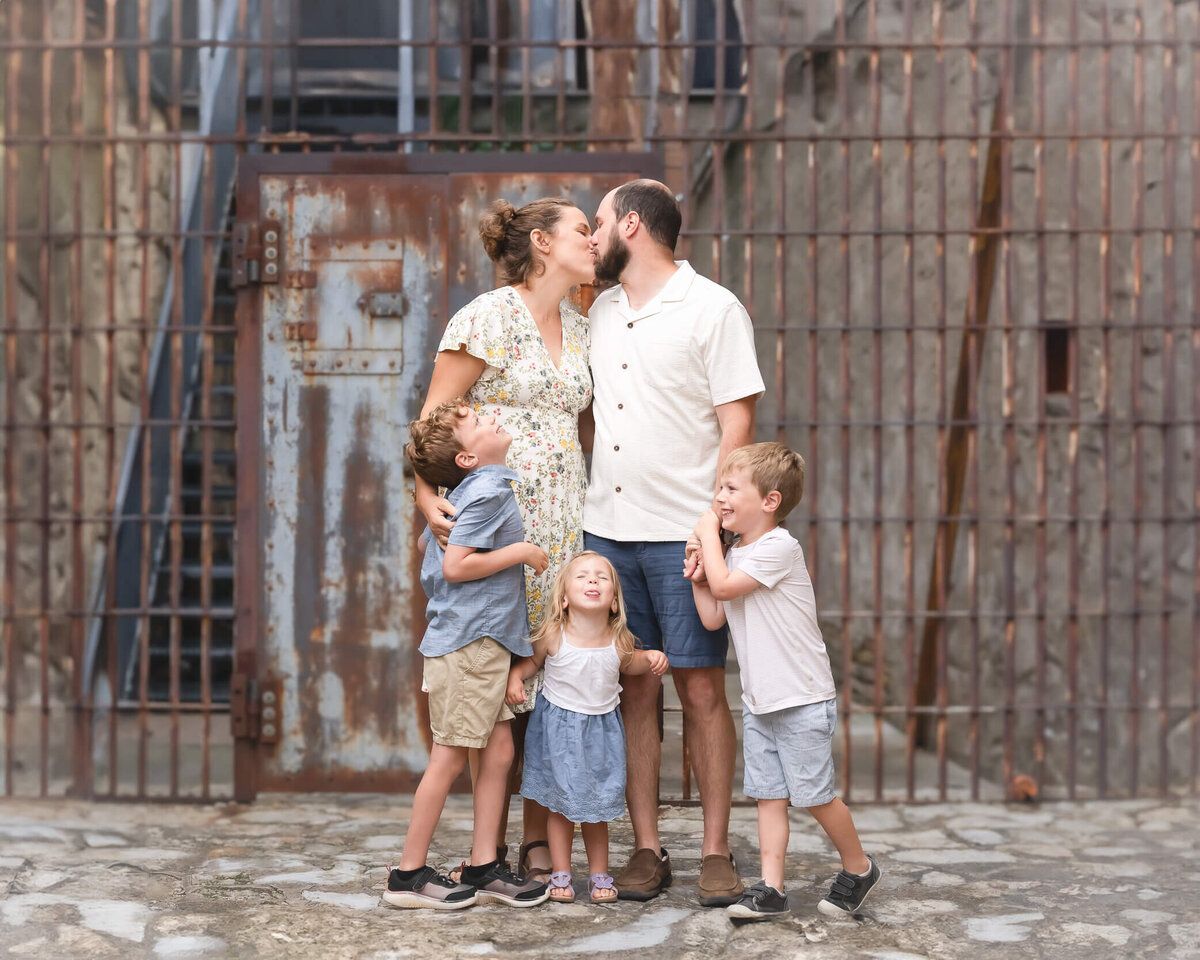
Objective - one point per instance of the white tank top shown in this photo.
(583, 679)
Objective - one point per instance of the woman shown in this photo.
(521, 353)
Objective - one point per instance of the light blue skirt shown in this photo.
(575, 763)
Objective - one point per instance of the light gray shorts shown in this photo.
(789, 754)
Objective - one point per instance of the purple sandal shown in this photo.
(601, 881)
(561, 881)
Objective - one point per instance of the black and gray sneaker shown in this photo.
(494, 882)
(759, 902)
(848, 892)
(425, 887)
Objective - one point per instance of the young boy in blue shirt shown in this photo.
(477, 621)
(789, 702)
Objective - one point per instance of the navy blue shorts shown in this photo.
(658, 601)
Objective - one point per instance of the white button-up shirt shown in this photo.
(658, 374)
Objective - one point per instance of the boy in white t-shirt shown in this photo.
(789, 702)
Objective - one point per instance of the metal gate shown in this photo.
(967, 233)
(348, 269)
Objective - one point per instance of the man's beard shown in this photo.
(612, 263)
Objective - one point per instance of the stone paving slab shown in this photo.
(299, 876)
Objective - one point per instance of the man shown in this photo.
(676, 380)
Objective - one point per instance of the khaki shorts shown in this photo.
(466, 693)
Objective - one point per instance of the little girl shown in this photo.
(575, 744)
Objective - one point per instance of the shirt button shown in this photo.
(618, 489)
(617, 447)
(624, 366)
(620, 406)
(629, 325)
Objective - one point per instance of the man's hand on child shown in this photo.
(658, 662)
(516, 689)
(697, 575)
(535, 557)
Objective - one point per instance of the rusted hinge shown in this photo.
(243, 707)
(257, 252)
(254, 708)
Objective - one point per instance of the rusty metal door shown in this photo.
(348, 268)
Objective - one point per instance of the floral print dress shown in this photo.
(539, 404)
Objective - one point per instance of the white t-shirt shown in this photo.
(658, 374)
(780, 653)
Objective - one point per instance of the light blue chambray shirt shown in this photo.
(460, 613)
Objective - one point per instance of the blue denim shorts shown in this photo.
(658, 601)
(788, 754)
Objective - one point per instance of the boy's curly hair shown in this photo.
(432, 444)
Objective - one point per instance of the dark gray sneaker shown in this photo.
(759, 902)
(426, 889)
(495, 883)
(848, 892)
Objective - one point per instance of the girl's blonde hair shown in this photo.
(557, 612)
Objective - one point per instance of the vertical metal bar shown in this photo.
(210, 247)
(719, 144)
(748, 179)
(910, 392)
(526, 80)
(1009, 387)
(11, 81)
(971, 313)
(293, 65)
(110, 349)
(81, 740)
(464, 69)
(1194, 765)
(1075, 385)
(781, 250)
(1039, 122)
(147, 433)
(496, 67)
(1137, 443)
(1169, 413)
(566, 16)
(434, 48)
(974, 408)
(1106, 171)
(267, 62)
(847, 639)
(44, 446)
(879, 668)
(177, 431)
(812, 480)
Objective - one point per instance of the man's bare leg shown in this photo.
(712, 741)
(643, 753)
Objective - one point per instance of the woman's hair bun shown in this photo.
(492, 227)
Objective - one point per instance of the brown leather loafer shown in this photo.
(719, 882)
(645, 876)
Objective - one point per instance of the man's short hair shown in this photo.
(656, 207)
(433, 444)
(772, 466)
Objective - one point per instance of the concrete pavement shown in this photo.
(299, 876)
